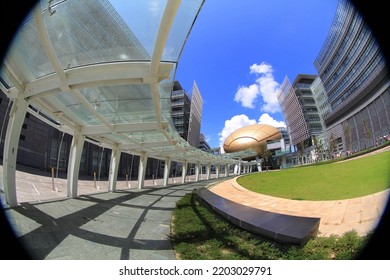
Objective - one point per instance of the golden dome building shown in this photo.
(251, 137)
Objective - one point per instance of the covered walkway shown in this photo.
(102, 72)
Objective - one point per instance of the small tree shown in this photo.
(321, 148)
(266, 155)
(331, 145)
(366, 132)
(347, 135)
(318, 147)
(301, 150)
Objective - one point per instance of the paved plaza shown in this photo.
(126, 224)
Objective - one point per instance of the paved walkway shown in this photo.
(337, 216)
(123, 225)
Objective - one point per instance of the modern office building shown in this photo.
(187, 117)
(203, 144)
(181, 107)
(299, 110)
(347, 106)
(323, 107)
(195, 116)
(187, 113)
(354, 74)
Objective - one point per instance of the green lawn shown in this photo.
(338, 180)
(198, 233)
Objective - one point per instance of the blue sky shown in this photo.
(239, 53)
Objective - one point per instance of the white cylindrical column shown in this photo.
(114, 167)
(167, 170)
(11, 143)
(76, 150)
(143, 160)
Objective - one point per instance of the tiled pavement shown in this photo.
(129, 223)
(337, 216)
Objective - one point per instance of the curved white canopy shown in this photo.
(105, 70)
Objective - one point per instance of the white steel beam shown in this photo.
(119, 128)
(119, 73)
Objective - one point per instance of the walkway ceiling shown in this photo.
(105, 69)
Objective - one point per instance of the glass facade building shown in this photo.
(353, 71)
(181, 107)
(299, 109)
(195, 117)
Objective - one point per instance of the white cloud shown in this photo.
(233, 124)
(247, 95)
(268, 88)
(267, 119)
(262, 68)
(155, 8)
(265, 86)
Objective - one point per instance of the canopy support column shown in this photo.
(76, 150)
(167, 169)
(184, 172)
(217, 170)
(208, 171)
(114, 167)
(197, 172)
(143, 160)
(16, 119)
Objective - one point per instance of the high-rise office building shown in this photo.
(353, 71)
(187, 113)
(299, 109)
(203, 144)
(321, 99)
(195, 116)
(181, 106)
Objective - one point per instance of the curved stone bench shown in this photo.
(281, 228)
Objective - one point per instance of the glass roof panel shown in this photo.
(181, 28)
(87, 32)
(143, 17)
(75, 107)
(122, 103)
(27, 53)
(147, 137)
